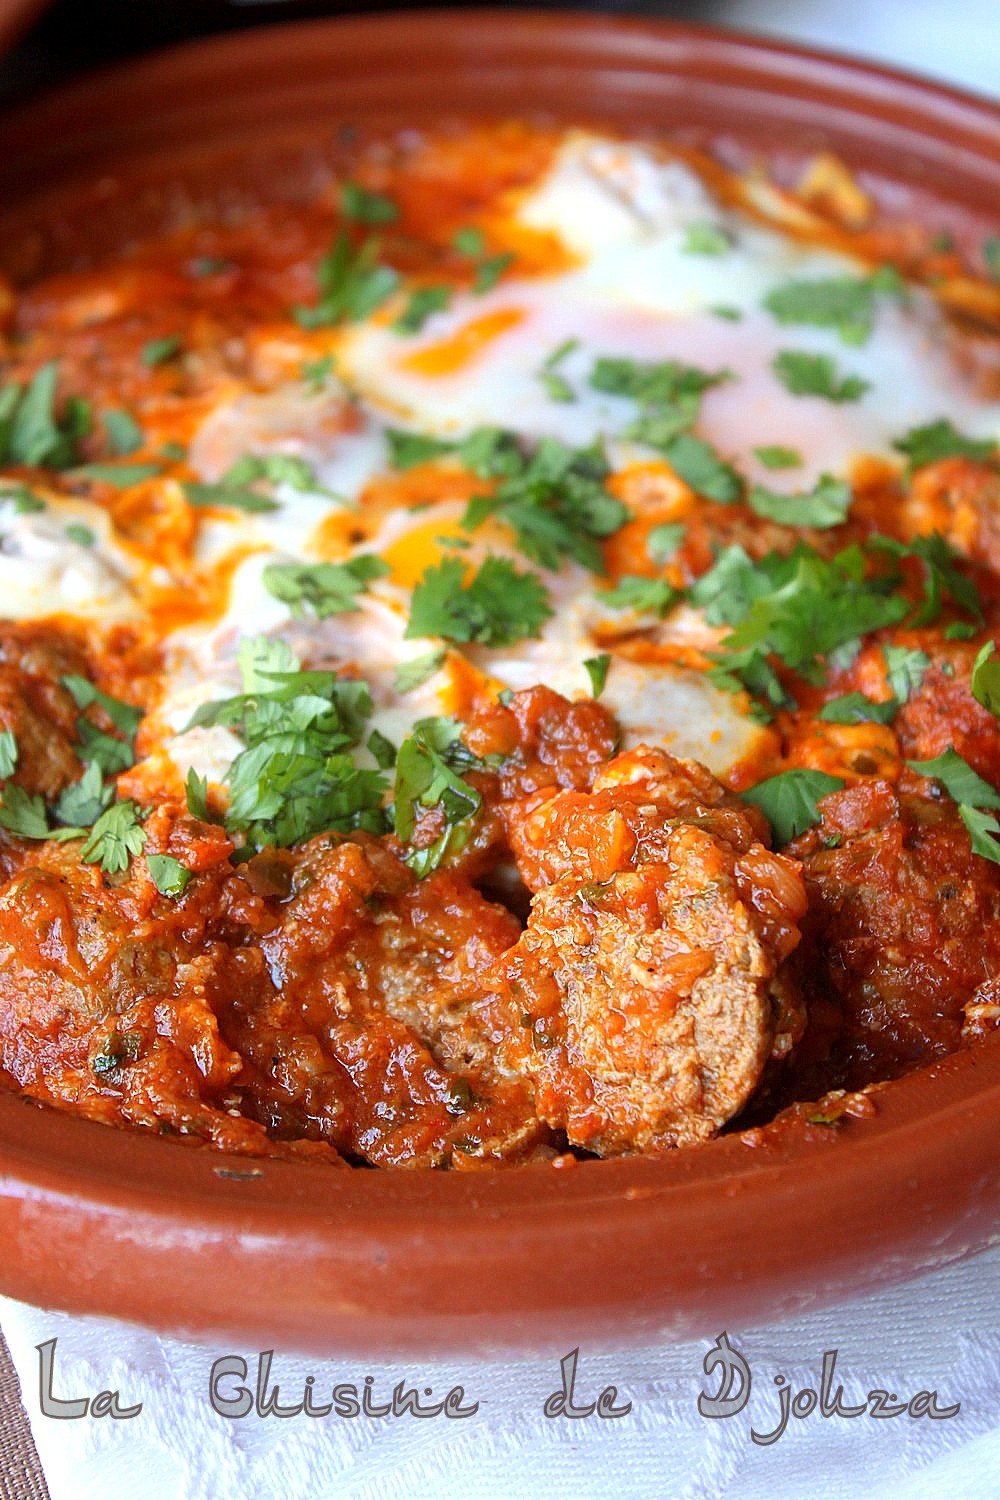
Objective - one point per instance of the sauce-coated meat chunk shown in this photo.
(641, 997)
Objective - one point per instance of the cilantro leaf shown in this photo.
(645, 595)
(123, 433)
(774, 456)
(981, 826)
(985, 681)
(555, 501)
(698, 464)
(407, 449)
(556, 385)
(8, 754)
(805, 374)
(857, 708)
(422, 303)
(664, 540)
(323, 588)
(352, 285)
(705, 238)
(847, 303)
(359, 204)
(497, 607)
(81, 804)
(596, 668)
(426, 776)
(295, 777)
(31, 432)
(22, 814)
(789, 800)
(959, 780)
(114, 838)
(121, 476)
(24, 500)
(159, 351)
(942, 578)
(825, 505)
(940, 439)
(991, 255)
(415, 672)
(316, 372)
(905, 669)
(170, 877)
(124, 716)
(196, 794)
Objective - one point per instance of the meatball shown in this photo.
(369, 1038)
(641, 998)
(903, 933)
(36, 708)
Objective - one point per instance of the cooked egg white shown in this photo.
(636, 290)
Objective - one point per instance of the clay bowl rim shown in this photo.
(189, 1241)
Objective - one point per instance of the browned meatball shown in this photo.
(639, 998)
(903, 933)
(36, 708)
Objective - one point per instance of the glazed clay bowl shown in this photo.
(277, 1254)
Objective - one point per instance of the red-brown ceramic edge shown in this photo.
(190, 1242)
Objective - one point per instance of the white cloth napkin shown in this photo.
(941, 1332)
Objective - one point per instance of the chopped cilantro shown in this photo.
(170, 877)
(774, 456)
(596, 668)
(669, 394)
(905, 669)
(664, 540)
(925, 445)
(316, 372)
(123, 432)
(323, 588)
(705, 238)
(82, 535)
(159, 351)
(724, 310)
(985, 682)
(367, 208)
(23, 499)
(8, 754)
(22, 814)
(497, 607)
(407, 449)
(825, 505)
(423, 301)
(982, 826)
(800, 608)
(847, 303)
(352, 285)
(114, 838)
(789, 800)
(959, 780)
(816, 375)
(698, 464)
(556, 385)
(644, 595)
(295, 776)
(427, 775)
(856, 708)
(489, 270)
(31, 431)
(196, 794)
(415, 672)
(942, 579)
(82, 803)
(991, 255)
(121, 476)
(382, 750)
(555, 501)
(236, 487)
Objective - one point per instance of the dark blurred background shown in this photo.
(958, 40)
